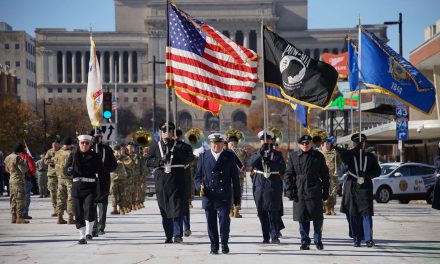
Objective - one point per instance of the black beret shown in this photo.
(304, 138)
(19, 148)
(355, 137)
(67, 141)
(94, 133)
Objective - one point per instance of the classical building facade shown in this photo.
(17, 57)
(126, 55)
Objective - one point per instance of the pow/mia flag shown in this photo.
(299, 77)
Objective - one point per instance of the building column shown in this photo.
(64, 63)
(74, 67)
(101, 65)
(112, 69)
(130, 67)
(246, 38)
(83, 67)
(121, 63)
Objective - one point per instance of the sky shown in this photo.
(100, 15)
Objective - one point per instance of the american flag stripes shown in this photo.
(202, 61)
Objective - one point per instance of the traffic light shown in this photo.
(107, 112)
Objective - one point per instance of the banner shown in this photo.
(338, 61)
(94, 88)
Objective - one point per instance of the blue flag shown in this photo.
(301, 111)
(385, 71)
(353, 76)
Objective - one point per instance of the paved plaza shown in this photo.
(404, 233)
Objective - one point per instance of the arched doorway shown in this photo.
(239, 120)
(184, 121)
(212, 123)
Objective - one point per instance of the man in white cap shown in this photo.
(84, 165)
(268, 168)
(218, 182)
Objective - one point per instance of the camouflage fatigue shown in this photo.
(17, 168)
(129, 189)
(243, 156)
(52, 180)
(118, 184)
(64, 189)
(42, 176)
(333, 165)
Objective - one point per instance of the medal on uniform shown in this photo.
(167, 167)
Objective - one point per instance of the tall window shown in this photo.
(184, 122)
(212, 123)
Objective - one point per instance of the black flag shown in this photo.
(299, 77)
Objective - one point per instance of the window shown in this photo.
(69, 90)
(50, 100)
(78, 99)
(17, 46)
(7, 46)
(8, 63)
(125, 90)
(405, 171)
(18, 81)
(144, 90)
(17, 64)
(135, 90)
(144, 99)
(78, 90)
(135, 99)
(49, 90)
(421, 170)
(60, 90)
(254, 98)
(126, 99)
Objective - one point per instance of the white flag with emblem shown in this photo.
(94, 87)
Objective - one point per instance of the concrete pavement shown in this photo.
(404, 233)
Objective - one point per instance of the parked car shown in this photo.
(404, 182)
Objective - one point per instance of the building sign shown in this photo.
(338, 61)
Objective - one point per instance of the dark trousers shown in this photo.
(361, 228)
(2, 181)
(186, 221)
(83, 203)
(172, 226)
(225, 222)
(101, 216)
(304, 230)
(270, 224)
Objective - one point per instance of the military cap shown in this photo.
(269, 134)
(19, 148)
(57, 139)
(233, 138)
(216, 137)
(170, 126)
(84, 138)
(316, 139)
(67, 141)
(304, 138)
(355, 137)
(95, 132)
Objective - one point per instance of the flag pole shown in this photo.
(359, 90)
(116, 94)
(265, 112)
(167, 88)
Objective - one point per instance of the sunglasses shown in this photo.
(84, 143)
(305, 143)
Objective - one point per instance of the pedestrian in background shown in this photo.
(42, 176)
(333, 163)
(307, 184)
(52, 179)
(64, 194)
(28, 182)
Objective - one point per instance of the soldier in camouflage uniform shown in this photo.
(118, 182)
(333, 164)
(17, 168)
(242, 158)
(52, 180)
(135, 179)
(42, 176)
(64, 194)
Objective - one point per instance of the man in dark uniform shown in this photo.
(357, 196)
(268, 167)
(218, 182)
(84, 165)
(307, 184)
(169, 164)
(436, 196)
(109, 164)
(189, 183)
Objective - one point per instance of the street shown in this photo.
(404, 233)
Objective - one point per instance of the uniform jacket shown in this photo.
(188, 177)
(307, 179)
(268, 192)
(170, 187)
(109, 164)
(121, 171)
(436, 201)
(357, 199)
(220, 179)
(60, 160)
(17, 167)
(31, 165)
(48, 160)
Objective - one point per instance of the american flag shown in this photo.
(114, 103)
(202, 61)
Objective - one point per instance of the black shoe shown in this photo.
(266, 241)
(168, 241)
(275, 241)
(95, 233)
(370, 243)
(101, 232)
(304, 247)
(27, 217)
(89, 237)
(225, 249)
(319, 245)
(178, 240)
(187, 233)
(82, 241)
(357, 244)
(214, 252)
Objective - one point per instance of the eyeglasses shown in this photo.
(84, 143)
(305, 143)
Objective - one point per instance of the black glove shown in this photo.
(166, 157)
(361, 174)
(325, 195)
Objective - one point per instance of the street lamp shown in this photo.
(154, 62)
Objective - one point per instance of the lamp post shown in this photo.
(154, 62)
(399, 22)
